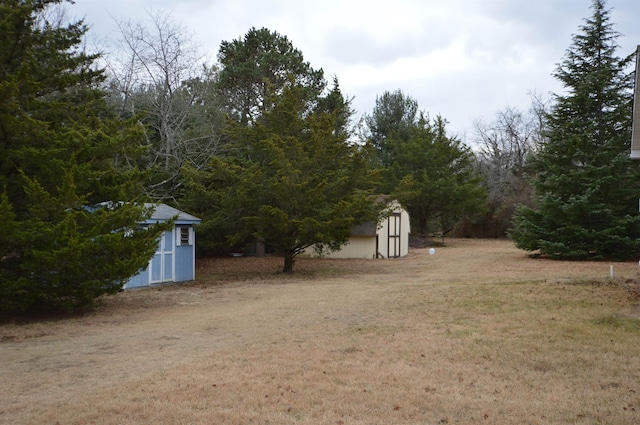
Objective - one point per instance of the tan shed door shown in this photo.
(394, 236)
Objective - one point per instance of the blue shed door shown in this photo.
(162, 262)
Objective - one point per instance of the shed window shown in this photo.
(185, 236)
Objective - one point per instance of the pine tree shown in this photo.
(63, 241)
(259, 66)
(295, 180)
(586, 186)
(393, 117)
(434, 176)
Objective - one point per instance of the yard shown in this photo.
(477, 333)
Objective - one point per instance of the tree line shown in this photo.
(267, 151)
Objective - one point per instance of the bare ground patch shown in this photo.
(478, 332)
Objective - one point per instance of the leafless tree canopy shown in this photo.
(158, 75)
(505, 145)
(503, 148)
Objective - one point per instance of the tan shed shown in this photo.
(389, 238)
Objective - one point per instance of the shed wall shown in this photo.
(357, 247)
(139, 280)
(173, 261)
(185, 268)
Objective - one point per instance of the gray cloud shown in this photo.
(355, 46)
(463, 59)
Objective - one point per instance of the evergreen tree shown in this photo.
(259, 66)
(294, 182)
(335, 103)
(393, 117)
(255, 73)
(586, 186)
(63, 243)
(436, 181)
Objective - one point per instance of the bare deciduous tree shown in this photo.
(504, 146)
(158, 75)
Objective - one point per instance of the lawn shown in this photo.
(477, 333)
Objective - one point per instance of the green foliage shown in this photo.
(67, 263)
(586, 186)
(293, 182)
(436, 181)
(257, 68)
(335, 103)
(430, 173)
(59, 152)
(393, 117)
(288, 176)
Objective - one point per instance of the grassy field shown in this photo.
(477, 333)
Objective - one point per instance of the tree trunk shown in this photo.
(288, 262)
(422, 226)
(260, 247)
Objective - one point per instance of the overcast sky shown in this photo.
(462, 59)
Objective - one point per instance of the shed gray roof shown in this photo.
(163, 212)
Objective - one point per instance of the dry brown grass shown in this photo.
(478, 333)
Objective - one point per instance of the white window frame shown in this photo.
(179, 235)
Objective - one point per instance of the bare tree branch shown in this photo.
(159, 75)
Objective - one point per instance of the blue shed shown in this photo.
(175, 257)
